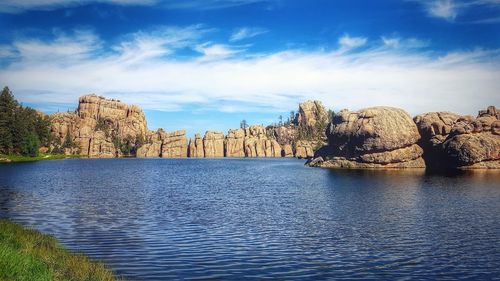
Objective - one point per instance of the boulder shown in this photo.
(434, 127)
(377, 137)
(474, 142)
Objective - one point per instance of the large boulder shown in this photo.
(434, 127)
(377, 137)
(474, 142)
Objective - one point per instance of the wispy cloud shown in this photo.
(450, 10)
(404, 43)
(461, 81)
(349, 42)
(246, 32)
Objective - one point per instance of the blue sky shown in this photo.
(200, 65)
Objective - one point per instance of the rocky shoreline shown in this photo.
(385, 137)
(372, 138)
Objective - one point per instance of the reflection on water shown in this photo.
(152, 219)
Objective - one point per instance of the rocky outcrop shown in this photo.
(195, 147)
(434, 127)
(213, 144)
(287, 151)
(98, 128)
(235, 143)
(377, 137)
(474, 142)
(310, 114)
(303, 149)
(152, 146)
(174, 145)
(451, 141)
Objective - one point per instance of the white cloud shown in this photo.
(233, 80)
(403, 43)
(246, 32)
(349, 42)
(446, 9)
(216, 51)
(450, 10)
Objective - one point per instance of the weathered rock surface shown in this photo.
(213, 144)
(377, 137)
(174, 145)
(303, 149)
(453, 141)
(196, 147)
(235, 143)
(97, 125)
(434, 127)
(474, 143)
(152, 146)
(310, 113)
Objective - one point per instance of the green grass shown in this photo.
(41, 156)
(27, 254)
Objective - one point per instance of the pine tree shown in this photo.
(8, 106)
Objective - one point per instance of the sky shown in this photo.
(207, 64)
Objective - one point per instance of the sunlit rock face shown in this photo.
(453, 141)
(195, 147)
(235, 143)
(98, 126)
(213, 144)
(377, 137)
(475, 142)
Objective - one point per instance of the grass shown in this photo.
(27, 254)
(41, 156)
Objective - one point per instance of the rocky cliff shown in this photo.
(99, 128)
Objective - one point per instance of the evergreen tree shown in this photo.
(8, 106)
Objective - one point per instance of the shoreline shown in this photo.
(27, 254)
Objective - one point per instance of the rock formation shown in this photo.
(235, 143)
(213, 144)
(475, 142)
(99, 128)
(174, 145)
(377, 137)
(451, 141)
(195, 147)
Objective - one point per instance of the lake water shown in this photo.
(157, 219)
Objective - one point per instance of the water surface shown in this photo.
(155, 219)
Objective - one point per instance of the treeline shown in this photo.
(23, 130)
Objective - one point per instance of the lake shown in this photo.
(157, 219)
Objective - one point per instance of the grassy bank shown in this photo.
(20, 158)
(29, 255)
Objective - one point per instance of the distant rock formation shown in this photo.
(105, 128)
(305, 132)
(377, 137)
(213, 144)
(99, 128)
(235, 143)
(195, 147)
